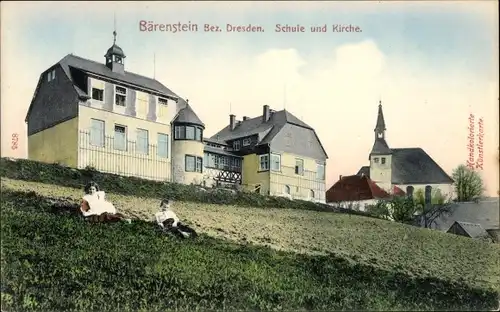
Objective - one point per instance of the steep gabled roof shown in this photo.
(88, 66)
(415, 166)
(355, 188)
(256, 125)
(71, 62)
(265, 130)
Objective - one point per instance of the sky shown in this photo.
(431, 63)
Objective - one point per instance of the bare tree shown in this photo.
(468, 184)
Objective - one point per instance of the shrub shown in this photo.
(22, 169)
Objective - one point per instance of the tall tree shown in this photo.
(469, 184)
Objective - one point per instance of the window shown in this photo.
(264, 162)
(142, 143)
(120, 138)
(383, 160)
(375, 160)
(120, 95)
(287, 189)
(97, 94)
(223, 162)
(162, 145)
(179, 133)
(320, 172)
(210, 160)
(194, 164)
(246, 142)
(199, 164)
(97, 132)
(311, 194)
(190, 133)
(162, 101)
(299, 166)
(236, 164)
(198, 134)
(409, 191)
(275, 162)
(236, 145)
(51, 75)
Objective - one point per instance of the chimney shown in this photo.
(232, 124)
(266, 113)
(245, 118)
(340, 177)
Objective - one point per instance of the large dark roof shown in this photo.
(413, 166)
(485, 213)
(266, 130)
(187, 115)
(88, 66)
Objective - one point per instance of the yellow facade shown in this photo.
(127, 162)
(58, 144)
(306, 186)
(181, 148)
(251, 178)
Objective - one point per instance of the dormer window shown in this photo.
(51, 75)
(120, 96)
(236, 145)
(246, 142)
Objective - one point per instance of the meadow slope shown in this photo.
(378, 243)
(55, 261)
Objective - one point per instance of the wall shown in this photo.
(381, 174)
(446, 189)
(130, 162)
(137, 103)
(54, 101)
(181, 148)
(300, 186)
(356, 205)
(56, 144)
(251, 175)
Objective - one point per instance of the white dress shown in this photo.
(161, 216)
(98, 205)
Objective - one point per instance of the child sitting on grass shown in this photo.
(169, 222)
(96, 208)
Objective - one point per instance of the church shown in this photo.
(406, 169)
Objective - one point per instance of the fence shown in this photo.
(122, 157)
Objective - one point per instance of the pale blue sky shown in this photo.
(433, 63)
(438, 38)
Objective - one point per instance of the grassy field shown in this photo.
(383, 244)
(57, 262)
(254, 252)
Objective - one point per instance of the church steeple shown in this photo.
(380, 126)
(380, 146)
(115, 56)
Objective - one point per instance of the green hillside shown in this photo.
(259, 258)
